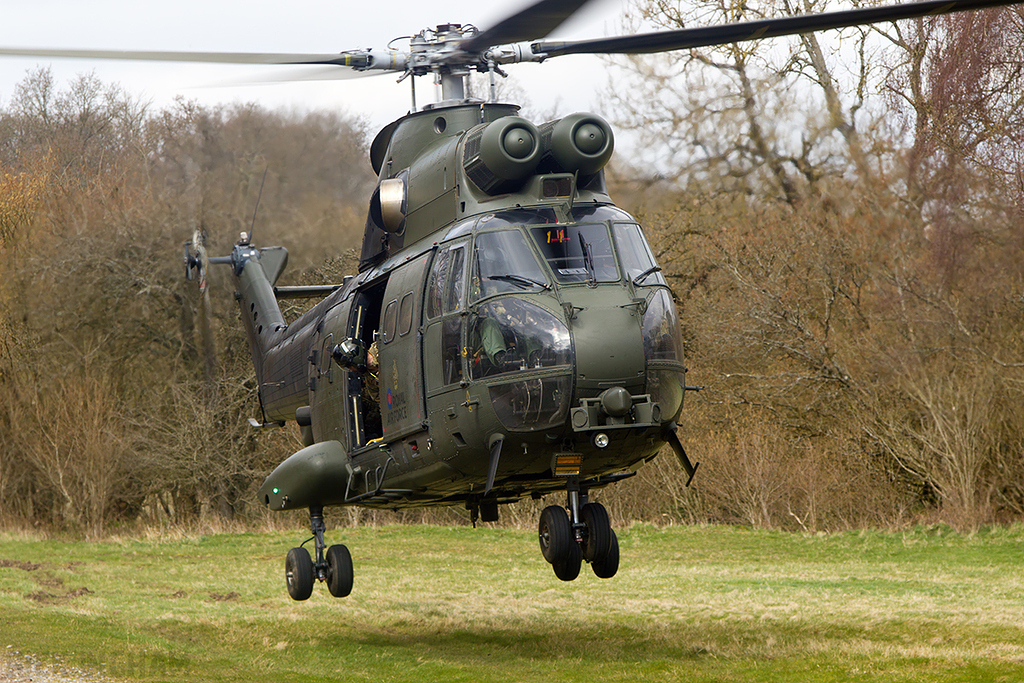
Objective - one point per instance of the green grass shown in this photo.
(456, 604)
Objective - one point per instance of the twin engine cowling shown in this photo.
(499, 155)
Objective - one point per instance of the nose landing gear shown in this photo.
(333, 565)
(580, 531)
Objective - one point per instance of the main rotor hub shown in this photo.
(433, 50)
(439, 52)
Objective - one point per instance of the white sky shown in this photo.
(565, 84)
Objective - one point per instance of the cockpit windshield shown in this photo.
(604, 245)
(504, 262)
(578, 252)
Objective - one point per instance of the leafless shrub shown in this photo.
(98, 340)
(70, 431)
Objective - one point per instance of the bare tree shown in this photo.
(957, 81)
(97, 328)
(773, 118)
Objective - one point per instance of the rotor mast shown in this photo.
(437, 52)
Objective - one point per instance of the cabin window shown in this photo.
(390, 321)
(405, 311)
(577, 252)
(666, 387)
(325, 356)
(446, 284)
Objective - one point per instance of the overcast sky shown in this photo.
(564, 85)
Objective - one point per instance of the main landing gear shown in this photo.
(333, 565)
(580, 531)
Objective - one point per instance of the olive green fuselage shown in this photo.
(516, 337)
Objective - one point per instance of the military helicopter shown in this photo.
(508, 333)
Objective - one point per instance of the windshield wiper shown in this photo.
(643, 276)
(588, 260)
(520, 280)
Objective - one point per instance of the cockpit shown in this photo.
(500, 289)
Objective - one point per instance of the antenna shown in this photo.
(252, 228)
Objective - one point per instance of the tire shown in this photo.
(607, 568)
(569, 568)
(339, 571)
(298, 573)
(555, 534)
(598, 537)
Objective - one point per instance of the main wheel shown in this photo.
(598, 537)
(555, 534)
(339, 571)
(569, 568)
(298, 573)
(606, 568)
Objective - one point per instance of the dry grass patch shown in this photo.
(451, 604)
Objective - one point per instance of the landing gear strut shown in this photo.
(333, 565)
(580, 531)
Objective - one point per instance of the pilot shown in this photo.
(528, 344)
(492, 341)
(490, 348)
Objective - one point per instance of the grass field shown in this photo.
(457, 604)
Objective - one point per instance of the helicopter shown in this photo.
(508, 333)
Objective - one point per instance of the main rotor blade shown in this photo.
(536, 21)
(683, 39)
(294, 73)
(355, 60)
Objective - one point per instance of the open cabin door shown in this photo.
(400, 352)
(362, 392)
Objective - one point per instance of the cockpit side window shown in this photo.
(436, 283)
(457, 280)
(446, 295)
(635, 255)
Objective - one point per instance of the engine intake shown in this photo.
(578, 143)
(389, 204)
(499, 155)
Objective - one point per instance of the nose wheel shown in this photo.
(333, 565)
(580, 531)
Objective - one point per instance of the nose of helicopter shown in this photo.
(609, 345)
